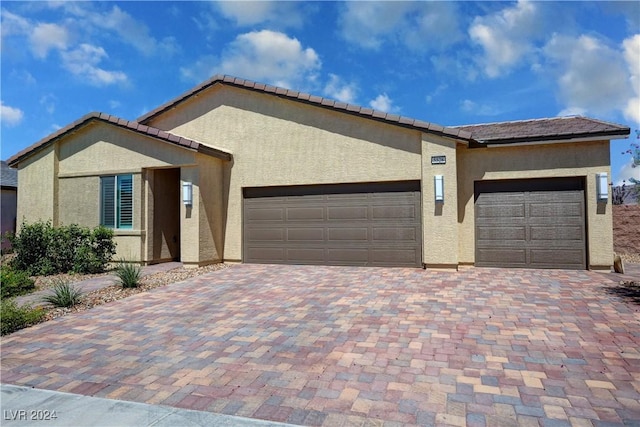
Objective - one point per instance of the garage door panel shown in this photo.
(546, 230)
(566, 258)
(305, 234)
(348, 255)
(500, 211)
(563, 233)
(347, 213)
(400, 257)
(395, 234)
(305, 214)
(302, 255)
(499, 232)
(265, 214)
(266, 254)
(557, 210)
(351, 224)
(512, 256)
(406, 212)
(354, 234)
(265, 234)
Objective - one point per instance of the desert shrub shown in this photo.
(63, 295)
(14, 317)
(128, 274)
(14, 282)
(41, 249)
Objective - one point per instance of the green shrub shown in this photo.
(41, 249)
(14, 282)
(128, 274)
(13, 317)
(64, 295)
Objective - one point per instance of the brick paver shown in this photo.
(364, 346)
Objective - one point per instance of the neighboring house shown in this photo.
(9, 201)
(272, 175)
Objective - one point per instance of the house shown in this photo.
(8, 202)
(239, 171)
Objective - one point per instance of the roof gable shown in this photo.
(133, 126)
(317, 101)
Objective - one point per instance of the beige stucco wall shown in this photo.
(37, 192)
(105, 149)
(279, 142)
(539, 161)
(439, 220)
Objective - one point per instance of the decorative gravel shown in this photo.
(116, 292)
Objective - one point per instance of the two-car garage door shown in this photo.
(536, 223)
(375, 224)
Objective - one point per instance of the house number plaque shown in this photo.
(438, 160)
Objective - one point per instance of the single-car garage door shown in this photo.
(536, 223)
(375, 224)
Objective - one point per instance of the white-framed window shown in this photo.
(116, 201)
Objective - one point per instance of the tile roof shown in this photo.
(538, 130)
(8, 177)
(313, 100)
(125, 124)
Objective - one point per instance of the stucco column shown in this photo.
(189, 219)
(599, 224)
(439, 219)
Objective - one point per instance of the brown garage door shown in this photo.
(350, 224)
(530, 223)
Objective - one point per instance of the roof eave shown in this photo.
(551, 139)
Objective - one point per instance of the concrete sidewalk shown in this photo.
(94, 284)
(23, 406)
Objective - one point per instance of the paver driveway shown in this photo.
(341, 346)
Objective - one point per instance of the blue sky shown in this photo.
(446, 62)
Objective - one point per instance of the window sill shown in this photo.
(125, 232)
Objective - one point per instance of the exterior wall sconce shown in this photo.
(187, 193)
(439, 188)
(602, 184)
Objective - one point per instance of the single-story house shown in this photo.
(8, 202)
(239, 171)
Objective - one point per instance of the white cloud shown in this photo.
(470, 106)
(83, 62)
(506, 37)
(13, 24)
(337, 89)
(592, 76)
(631, 53)
(248, 13)
(383, 103)
(266, 56)
(572, 111)
(48, 101)
(418, 25)
(134, 32)
(11, 116)
(45, 37)
(626, 172)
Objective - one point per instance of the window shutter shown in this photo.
(125, 201)
(107, 201)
